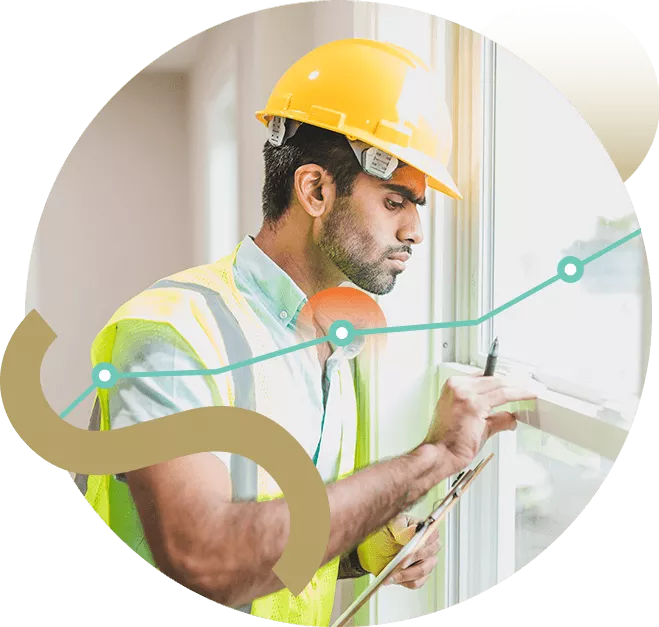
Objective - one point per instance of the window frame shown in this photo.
(571, 412)
(477, 243)
(440, 237)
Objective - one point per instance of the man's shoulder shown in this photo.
(170, 311)
(173, 294)
(202, 276)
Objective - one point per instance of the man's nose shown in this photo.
(411, 231)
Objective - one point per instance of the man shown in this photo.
(356, 134)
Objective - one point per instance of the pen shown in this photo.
(492, 355)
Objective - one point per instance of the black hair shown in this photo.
(310, 144)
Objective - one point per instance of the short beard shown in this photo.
(347, 248)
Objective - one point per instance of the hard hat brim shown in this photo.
(439, 178)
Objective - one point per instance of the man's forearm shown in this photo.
(232, 549)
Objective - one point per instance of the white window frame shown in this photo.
(478, 245)
(569, 412)
(464, 540)
(441, 240)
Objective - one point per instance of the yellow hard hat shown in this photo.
(376, 94)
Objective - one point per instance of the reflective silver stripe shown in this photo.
(235, 342)
(94, 425)
(244, 477)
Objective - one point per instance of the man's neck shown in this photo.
(292, 248)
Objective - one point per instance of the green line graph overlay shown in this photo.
(570, 270)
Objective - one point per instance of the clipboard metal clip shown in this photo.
(458, 487)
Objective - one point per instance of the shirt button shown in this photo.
(283, 315)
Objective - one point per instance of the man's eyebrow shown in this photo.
(406, 193)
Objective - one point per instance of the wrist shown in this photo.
(437, 461)
(350, 566)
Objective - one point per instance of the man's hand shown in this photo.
(416, 568)
(383, 545)
(463, 418)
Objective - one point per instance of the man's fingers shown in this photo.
(480, 375)
(501, 421)
(409, 560)
(508, 394)
(433, 538)
(482, 384)
(415, 585)
(418, 571)
(432, 546)
(423, 559)
(429, 549)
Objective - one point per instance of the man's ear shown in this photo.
(314, 188)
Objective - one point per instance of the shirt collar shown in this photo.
(280, 294)
(355, 347)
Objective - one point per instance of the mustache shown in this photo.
(397, 249)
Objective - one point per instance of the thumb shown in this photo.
(502, 421)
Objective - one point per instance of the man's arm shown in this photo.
(198, 483)
(197, 535)
(226, 551)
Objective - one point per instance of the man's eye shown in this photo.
(394, 205)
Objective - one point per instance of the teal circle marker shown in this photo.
(341, 333)
(104, 375)
(570, 269)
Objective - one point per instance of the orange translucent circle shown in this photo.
(341, 303)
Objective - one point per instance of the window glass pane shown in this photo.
(557, 194)
(555, 481)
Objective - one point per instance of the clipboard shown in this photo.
(423, 531)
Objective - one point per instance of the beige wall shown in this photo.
(117, 219)
(131, 203)
(227, 51)
(257, 49)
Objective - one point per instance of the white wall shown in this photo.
(117, 219)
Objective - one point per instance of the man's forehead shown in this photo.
(408, 175)
(411, 178)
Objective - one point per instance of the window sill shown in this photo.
(622, 408)
(571, 419)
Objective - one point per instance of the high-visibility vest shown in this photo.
(204, 305)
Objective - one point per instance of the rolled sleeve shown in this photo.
(155, 348)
